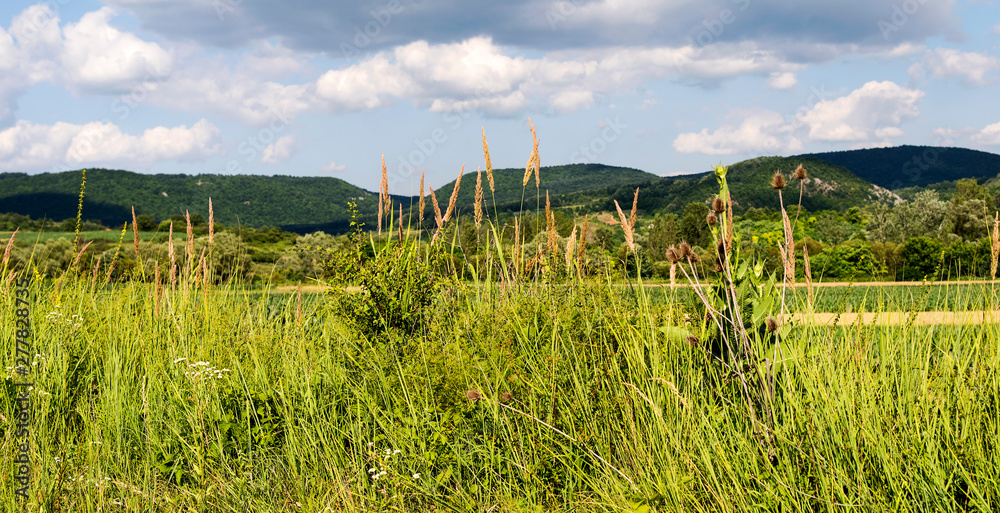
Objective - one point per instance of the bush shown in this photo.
(921, 257)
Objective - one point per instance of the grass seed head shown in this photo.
(454, 195)
(478, 209)
(489, 164)
(420, 204)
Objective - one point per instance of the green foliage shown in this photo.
(921, 258)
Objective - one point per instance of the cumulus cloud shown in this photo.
(759, 132)
(280, 150)
(989, 135)
(971, 68)
(32, 147)
(96, 56)
(873, 110)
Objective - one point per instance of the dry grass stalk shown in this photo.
(211, 223)
(93, 279)
(454, 195)
(420, 204)
(80, 253)
(438, 218)
(673, 274)
(626, 228)
(400, 222)
(527, 170)
(479, 198)
(570, 246)
(385, 187)
(582, 253)
(995, 245)
(8, 248)
(635, 206)
(135, 233)
(489, 164)
(808, 273)
(550, 226)
(173, 257)
(189, 245)
(534, 153)
(789, 250)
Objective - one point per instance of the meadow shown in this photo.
(522, 383)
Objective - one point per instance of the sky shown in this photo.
(330, 87)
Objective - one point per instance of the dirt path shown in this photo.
(901, 318)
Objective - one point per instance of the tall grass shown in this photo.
(515, 391)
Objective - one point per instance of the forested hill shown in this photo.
(247, 200)
(572, 179)
(913, 166)
(828, 187)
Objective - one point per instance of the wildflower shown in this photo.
(181, 359)
(416, 476)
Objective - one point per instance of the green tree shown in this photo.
(693, 227)
(921, 256)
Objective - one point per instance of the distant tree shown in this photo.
(693, 227)
(921, 256)
(146, 223)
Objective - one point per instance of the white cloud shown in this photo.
(996, 28)
(96, 56)
(333, 167)
(861, 115)
(568, 101)
(989, 135)
(30, 147)
(905, 49)
(946, 63)
(759, 132)
(782, 80)
(280, 150)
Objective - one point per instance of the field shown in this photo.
(404, 385)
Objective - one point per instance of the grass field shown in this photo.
(530, 387)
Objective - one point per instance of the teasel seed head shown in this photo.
(672, 255)
(473, 395)
(711, 219)
(772, 325)
(685, 250)
(800, 173)
(718, 205)
(692, 340)
(778, 181)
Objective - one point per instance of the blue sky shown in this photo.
(325, 88)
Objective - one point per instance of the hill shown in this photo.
(569, 183)
(913, 166)
(285, 201)
(828, 187)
